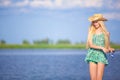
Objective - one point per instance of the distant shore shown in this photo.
(49, 46)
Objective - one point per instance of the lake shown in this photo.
(51, 64)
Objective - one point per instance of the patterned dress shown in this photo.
(96, 55)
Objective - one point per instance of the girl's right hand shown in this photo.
(111, 49)
(105, 50)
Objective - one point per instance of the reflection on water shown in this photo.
(51, 65)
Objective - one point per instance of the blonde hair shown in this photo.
(92, 30)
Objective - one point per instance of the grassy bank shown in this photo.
(60, 46)
(57, 46)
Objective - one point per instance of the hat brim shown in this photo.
(102, 19)
(97, 19)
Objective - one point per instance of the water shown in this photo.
(51, 64)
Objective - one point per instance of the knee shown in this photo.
(99, 78)
(93, 78)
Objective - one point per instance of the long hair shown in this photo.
(92, 30)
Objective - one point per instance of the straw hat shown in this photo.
(97, 17)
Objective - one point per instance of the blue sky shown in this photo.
(55, 19)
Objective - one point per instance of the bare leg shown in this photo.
(100, 71)
(93, 70)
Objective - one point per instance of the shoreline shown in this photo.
(48, 46)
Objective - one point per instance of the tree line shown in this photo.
(44, 41)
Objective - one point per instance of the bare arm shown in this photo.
(108, 34)
(109, 47)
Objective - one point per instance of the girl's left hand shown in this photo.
(111, 49)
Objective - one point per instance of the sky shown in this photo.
(55, 19)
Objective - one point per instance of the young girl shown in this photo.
(98, 45)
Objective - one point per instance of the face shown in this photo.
(96, 24)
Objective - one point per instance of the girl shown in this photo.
(98, 45)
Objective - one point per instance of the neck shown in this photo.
(98, 30)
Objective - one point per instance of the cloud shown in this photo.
(65, 3)
(26, 6)
(53, 3)
(41, 3)
(22, 4)
(5, 3)
(77, 3)
(62, 4)
(112, 16)
(93, 3)
(111, 4)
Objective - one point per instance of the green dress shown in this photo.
(96, 55)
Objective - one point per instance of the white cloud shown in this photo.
(112, 16)
(111, 4)
(89, 3)
(41, 3)
(76, 3)
(5, 3)
(54, 3)
(58, 3)
(63, 4)
(22, 4)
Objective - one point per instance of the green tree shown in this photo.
(25, 42)
(36, 42)
(63, 42)
(2, 42)
(44, 41)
